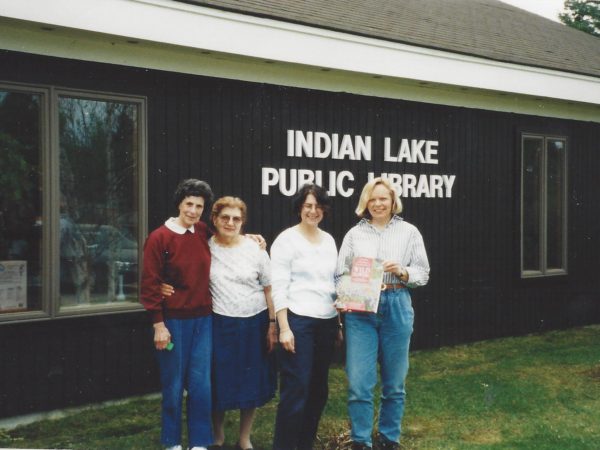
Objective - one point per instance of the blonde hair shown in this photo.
(362, 209)
(228, 202)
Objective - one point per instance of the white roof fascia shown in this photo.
(180, 24)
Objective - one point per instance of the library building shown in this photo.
(488, 124)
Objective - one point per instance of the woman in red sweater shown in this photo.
(177, 253)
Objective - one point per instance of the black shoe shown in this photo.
(381, 443)
(360, 446)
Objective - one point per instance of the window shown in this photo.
(21, 137)
(71, 222)
(543, 206)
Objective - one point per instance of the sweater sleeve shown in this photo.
(153, 261)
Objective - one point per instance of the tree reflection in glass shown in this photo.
(98, 141)
(20, 201)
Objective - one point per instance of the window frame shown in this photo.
(543, 215)
(50, 171)
(44, 93)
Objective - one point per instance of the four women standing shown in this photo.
(304, 263)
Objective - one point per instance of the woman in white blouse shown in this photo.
(303, 260)
(383, 336)
(244, 332)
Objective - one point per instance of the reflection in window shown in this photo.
(98, 201)
(20, 201)
(555, 186)
(543, 206)
(532, 163)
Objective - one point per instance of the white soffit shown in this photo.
(192, 26)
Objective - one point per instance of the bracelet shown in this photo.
(272, 320)
(340, 325)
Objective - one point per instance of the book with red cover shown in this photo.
(359, 287)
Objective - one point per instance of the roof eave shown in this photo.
(192, 26)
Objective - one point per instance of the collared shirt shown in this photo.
(171, 224)
(398, 241)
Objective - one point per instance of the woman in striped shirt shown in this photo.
(383, 336)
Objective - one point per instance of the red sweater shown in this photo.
(183, 261)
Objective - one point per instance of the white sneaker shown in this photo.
(175, 447)
(198, 448)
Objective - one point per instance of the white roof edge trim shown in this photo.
(193, 26)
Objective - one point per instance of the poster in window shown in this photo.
(13, 285)
(359, 288)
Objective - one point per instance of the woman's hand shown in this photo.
(396, 268)
(286, 339)
(272, 337)
(166, 290)
(339, 339)
(162, 337)
(262, 243)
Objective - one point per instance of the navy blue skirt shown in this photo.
(243, 373)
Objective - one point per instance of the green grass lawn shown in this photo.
(534, 392)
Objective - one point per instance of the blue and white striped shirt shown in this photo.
(399, 241)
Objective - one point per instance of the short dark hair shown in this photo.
(320, 195)
(192, 187)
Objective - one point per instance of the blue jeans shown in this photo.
(187, 366)
(304, 386)
(385, 338)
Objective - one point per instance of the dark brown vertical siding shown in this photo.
(67, 362)
(584, 209)
(224, 131)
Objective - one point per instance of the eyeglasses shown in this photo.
(310, 206)
(225, 218)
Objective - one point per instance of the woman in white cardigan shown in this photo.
(303, 260)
